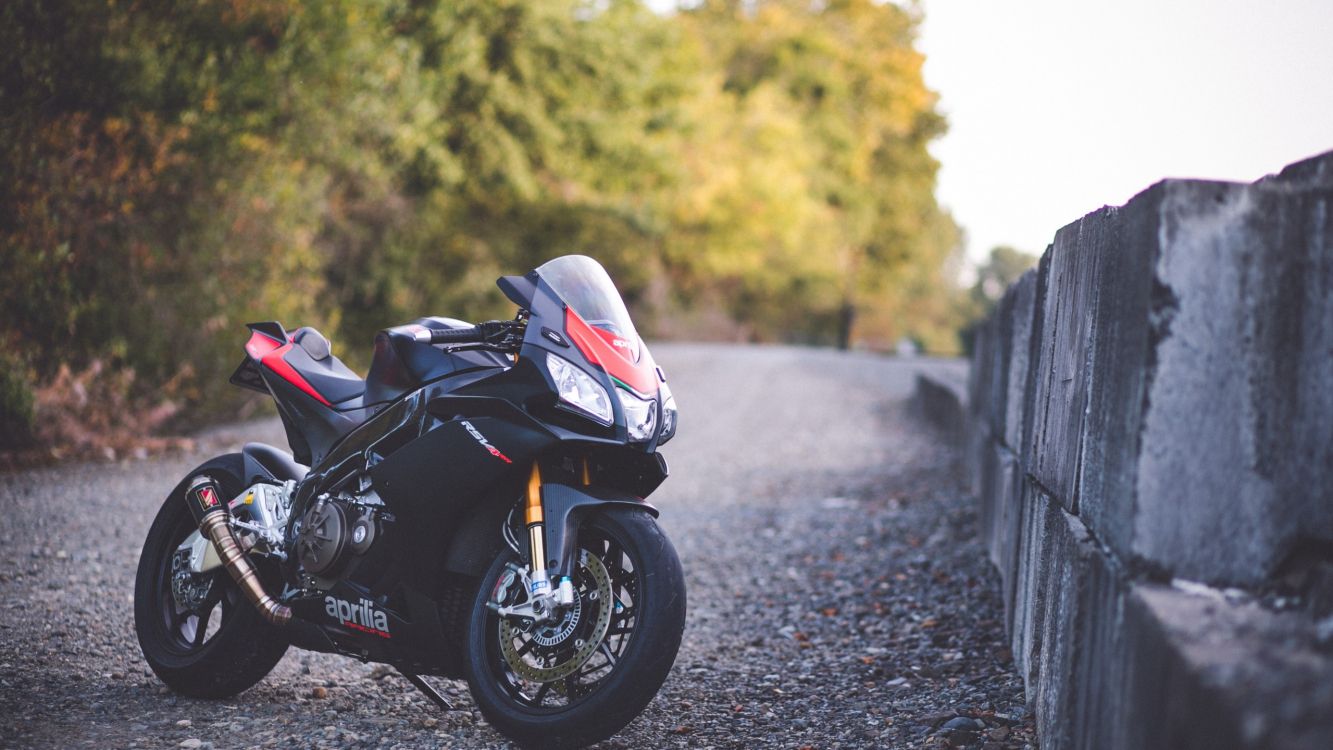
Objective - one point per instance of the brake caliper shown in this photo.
(189, 589)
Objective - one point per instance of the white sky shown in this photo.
(1057, 107)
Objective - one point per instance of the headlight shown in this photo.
(640, 416)
(579, 390)
(669, 415)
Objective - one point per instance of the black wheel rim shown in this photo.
(561, 694)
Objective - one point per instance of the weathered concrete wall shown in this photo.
(1150, 431)
(940, 400)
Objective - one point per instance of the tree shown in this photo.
(1002, 267)
(752, 170)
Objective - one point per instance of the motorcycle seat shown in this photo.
(313, 358)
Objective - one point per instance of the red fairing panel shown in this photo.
(259, 345)
(269, 352)
(614, 354)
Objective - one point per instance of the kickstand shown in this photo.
(429, 691)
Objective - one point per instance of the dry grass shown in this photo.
(95, 413)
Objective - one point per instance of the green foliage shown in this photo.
(16, 401)
(175, 170)
(1002, 268)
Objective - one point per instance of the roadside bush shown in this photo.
(16, 405)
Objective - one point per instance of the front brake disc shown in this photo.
(601, 581)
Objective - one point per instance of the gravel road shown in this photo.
(839, 595)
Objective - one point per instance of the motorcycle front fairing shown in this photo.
(450, 459)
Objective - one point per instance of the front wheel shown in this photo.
(582, 678)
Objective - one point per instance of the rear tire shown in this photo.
(237, 646)
(657, 590)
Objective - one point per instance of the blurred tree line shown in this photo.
(751, 170)
(1004, 266)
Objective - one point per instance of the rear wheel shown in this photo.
(583, 677)
(197, 631)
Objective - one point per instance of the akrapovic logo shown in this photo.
(485, 443)
(207, 498)
(361, 616)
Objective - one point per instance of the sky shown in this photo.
(1057, 107)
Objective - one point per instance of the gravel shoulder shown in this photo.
(839, 594)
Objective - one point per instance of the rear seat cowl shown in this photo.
(314, 343)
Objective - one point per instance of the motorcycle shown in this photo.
(474, 508)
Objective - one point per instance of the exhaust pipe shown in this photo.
(210, 512)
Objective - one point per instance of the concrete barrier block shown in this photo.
(1032, 411)
(1061, 386)
(941, 401)
(1100, 677)
(979, 375)
(989, 490)
(1315, 172)
(1029, 583)
(1205, 672)
(1006, 527)
(976, 446)
(1210, 390)
(1163, 698)
(1235, 462)
(1127, 324)
(1072, 600)
(1000, 357)
(1022, 298)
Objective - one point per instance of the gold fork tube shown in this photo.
(533, 517)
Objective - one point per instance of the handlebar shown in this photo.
(471, 334)
(495, 332)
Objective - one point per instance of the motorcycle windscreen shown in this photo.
(598, 323)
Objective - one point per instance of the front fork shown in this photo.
(552, 513)
(539, 582)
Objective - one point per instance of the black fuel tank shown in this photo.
(401, 363)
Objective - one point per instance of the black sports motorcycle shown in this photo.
(473, 508)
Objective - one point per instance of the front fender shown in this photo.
(564, 508)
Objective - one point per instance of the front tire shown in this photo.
(219, 644)
(638, 631)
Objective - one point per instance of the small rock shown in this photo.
(961, 739)
(319, 692)
(184, 723)
(962, 723)
(191, 744)
(1323, 633)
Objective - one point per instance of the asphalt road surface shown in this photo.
(838, 593)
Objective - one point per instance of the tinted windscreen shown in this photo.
(583, 284)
